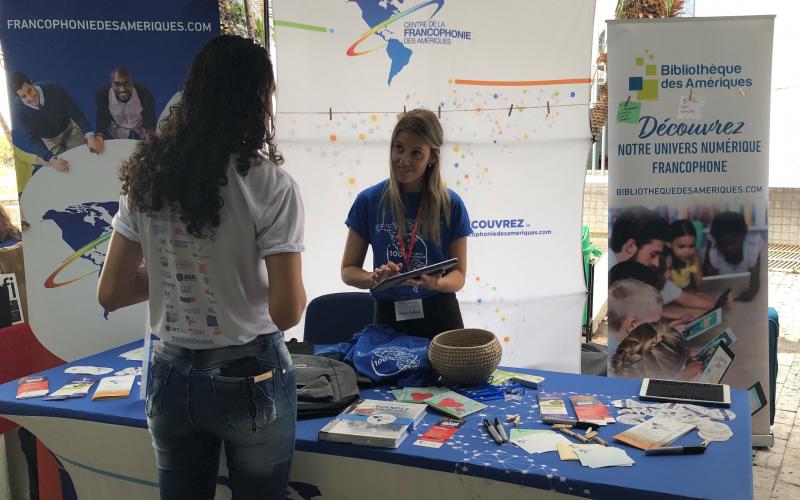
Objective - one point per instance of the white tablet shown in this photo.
(398, 279)
(736, 282)
(654, 389)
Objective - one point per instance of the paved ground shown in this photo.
(776, 471)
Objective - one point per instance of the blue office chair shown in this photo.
(336, 317)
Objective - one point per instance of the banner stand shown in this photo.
(689, 116)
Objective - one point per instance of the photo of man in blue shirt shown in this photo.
(52, 121)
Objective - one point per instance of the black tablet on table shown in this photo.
(398, 279)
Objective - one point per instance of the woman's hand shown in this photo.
(385, 271)
(429, 281)
(690, 316)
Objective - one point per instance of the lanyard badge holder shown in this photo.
(410, 308)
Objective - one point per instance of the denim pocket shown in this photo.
(245, 406)
(159, 375)
(290, 387)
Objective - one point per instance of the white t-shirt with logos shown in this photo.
(212, 292)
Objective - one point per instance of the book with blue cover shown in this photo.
(374, 423)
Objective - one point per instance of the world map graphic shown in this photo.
(82, 224)
(374, 13)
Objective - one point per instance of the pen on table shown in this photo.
(555, 420)
(492, 431)
(500, 430)
(676, 450)
(568, 421)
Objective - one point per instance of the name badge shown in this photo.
(408, 309)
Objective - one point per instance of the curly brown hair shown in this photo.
(223, 113)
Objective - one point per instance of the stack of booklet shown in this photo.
(654, 433)
(374, 423)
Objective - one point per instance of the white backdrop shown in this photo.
(523, 171)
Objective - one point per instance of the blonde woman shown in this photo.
(411, 220)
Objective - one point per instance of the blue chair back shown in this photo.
(336, 317)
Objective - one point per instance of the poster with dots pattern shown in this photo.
(511, 92)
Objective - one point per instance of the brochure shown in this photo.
(438, 434)
(454, 404)
(374, 423)
(118, 386)
(590, 409)
(502, 377)
(77, 387)
(32, 387)
(552, 406)
(654, 433)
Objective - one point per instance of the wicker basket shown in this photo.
(465, 356)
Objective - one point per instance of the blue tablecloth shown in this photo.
(724, 471)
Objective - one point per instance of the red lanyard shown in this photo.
(411, 240)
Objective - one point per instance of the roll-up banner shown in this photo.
(689, 103)
(83, 67)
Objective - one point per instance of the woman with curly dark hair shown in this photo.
(219, 226)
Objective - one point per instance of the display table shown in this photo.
(105, 447)
(20, 353)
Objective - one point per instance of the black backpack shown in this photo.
(324, 386)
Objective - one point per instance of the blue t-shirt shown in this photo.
(368, 220)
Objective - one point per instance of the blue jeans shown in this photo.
(192, 410)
